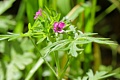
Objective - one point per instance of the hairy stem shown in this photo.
(43, 57)
(65, 68)
(57, 63)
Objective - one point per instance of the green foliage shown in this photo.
(12, 72)
(4, 5)
(7, 23)
(97, 76)
(66, 8)
(12, 65)
(25, 53)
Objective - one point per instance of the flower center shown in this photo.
(58, 29)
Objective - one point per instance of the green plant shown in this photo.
(97, 76)
(54, 47)
(70, 41)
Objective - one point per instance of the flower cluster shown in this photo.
(58, 27)
(38, 13)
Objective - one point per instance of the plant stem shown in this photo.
(57, 63)
(104, 13)
(43, 57)
(41, 3)
(90, 22)
(66, 66)
(97, 57)
(93, 11)
(34, 69)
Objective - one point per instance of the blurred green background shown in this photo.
(98, 16)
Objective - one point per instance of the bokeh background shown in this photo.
(16, 14)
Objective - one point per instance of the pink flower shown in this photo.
(39, 13)
(58, 27)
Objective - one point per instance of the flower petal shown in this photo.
(56, 24)
(61, 24)
(58, 27)
(35, 17)
(61, 31)
(39, 12)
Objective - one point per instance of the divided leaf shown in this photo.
(59, 45)
(13, 73)
(22, 60)
(98, 75)
(73, 49)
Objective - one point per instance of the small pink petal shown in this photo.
(56, 24)
(61, 31)
(39, 12)
(58, 27)
(61, 24)
(35, 17)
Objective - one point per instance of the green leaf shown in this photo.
(66, 8)
(79, 78)
(21, 60)
(100, 40)
(85, 78)
(6, 23)
(30, 12)
(2, 76)
(3, 37)
(57, 17)
(86, 38)
(74, 49)
(83, 41)
(54, 46)
(20, 18)
(26, 45)
(2, 46)
(117, 71)
(116, 3)
(29, 26)
(9, 37)
(4, 5)
(13, 73)
(74, 13)
(107, 75)
(48, 10)
(90, 74)
(99, 75)
(13, 37)
(90, 34)
(40, 40)
(59, 46)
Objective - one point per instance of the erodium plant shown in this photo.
(56, 36)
